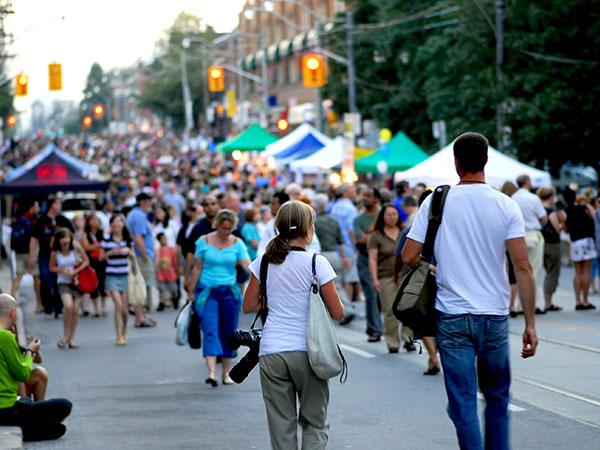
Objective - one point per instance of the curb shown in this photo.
(11, 438)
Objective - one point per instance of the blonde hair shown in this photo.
(545, 192)
(225, 215)
(293, 221)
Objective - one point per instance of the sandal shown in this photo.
(432, 371)
(73, 345)
(62, 344)
(227, 380)
(146, 324)
(553, 308)
(212, 380)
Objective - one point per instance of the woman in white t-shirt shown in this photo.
(285, 372)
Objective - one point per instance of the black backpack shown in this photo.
(20, 235)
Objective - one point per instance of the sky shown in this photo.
(77, 33)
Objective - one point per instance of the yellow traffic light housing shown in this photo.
(216, 79)
(21, 86)
(314, 72)
(54, 77)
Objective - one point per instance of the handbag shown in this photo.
(182, 324)
(414, 304)
(86, 280)
(194, 338)
(324, 354)
(136, 285)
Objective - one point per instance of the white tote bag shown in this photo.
(182, 324)
(324, 353)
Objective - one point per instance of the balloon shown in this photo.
(382, 167)
(385, 134)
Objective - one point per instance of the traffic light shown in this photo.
(313, 70)
(21, 87)
(282, 125)
(87, 121)
(12, 121)
(98, 111)
(54, 77)
(216, 79)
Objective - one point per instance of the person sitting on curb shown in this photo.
(36, 384)
(38, 420)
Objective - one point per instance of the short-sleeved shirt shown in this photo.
(166, 265)
(44, 229)
(362, 225)
(288, 294)
(13, 368)
(531, 207)
(219, 266)
(345, 212)
(470, 247)
(386, 252)
(329, 232)
(115, 264)
(138, 223)
(250, 233)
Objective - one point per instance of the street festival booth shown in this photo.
(300, 143)
(439, 169)
(400, 153)
(328, 157)
(253, 139)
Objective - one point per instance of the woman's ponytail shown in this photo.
(277, 250)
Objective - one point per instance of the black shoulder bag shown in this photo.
(414, 304)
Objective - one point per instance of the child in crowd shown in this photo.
(166, 272)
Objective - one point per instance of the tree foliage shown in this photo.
(163, 90)
(97, 91)
(437, 62)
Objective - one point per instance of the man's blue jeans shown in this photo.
(474, 348)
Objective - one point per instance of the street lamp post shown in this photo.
(187, 98)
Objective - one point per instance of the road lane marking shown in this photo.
(565, 326)
(563, 343)
(357, 351)
(558, 391)
(511, 407)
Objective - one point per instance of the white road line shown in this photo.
(357, 351)
(558, 391)
(511, 407)
(562, 343)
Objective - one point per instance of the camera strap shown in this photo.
(262, 292)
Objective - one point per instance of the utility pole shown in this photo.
(318, 102)
(241, 87)
(264, 118)
(350, 64)
(187, 98)
(499, 74)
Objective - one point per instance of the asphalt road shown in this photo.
(151, 394)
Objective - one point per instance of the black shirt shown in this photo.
(44, 229)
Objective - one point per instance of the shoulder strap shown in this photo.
(436, 209)
(314, 282)
(262, 291)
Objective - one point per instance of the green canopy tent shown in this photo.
(253, 139)
(400, 154)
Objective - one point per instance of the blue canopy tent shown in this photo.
(300, 143)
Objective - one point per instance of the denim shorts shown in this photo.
(116, 283)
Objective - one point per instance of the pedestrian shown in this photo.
(250, 231)
(345, 212)
(143, 240)
(362, 224)
(473, 294)
(265, 216)
(285, 372)
(163, 223)
(116, 250)
(20, 243)
(215, 292)
(78, 227)
(41, 236)
(552, 255)
(278, 199)
(509, 188)
(578, 222)
(410, 207)
(38, 420)
(92, 244)
(535, 217)
(173, 197)
(384, 238)
(332, 247)
(166, 272)
(64, 262)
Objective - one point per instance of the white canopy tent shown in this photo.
(329, 156)
(294, 138)
(439, 169)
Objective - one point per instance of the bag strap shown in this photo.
(314, 285)
(436, 209)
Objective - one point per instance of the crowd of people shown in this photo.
(192, 228)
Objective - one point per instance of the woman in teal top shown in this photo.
(250, 232)
(214, 289)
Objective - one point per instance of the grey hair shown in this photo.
(320, 202)
(7, 304)
(292, 187)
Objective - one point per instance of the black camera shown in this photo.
(244, 366)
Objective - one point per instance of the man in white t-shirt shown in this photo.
(534, 216)
(473, 293)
